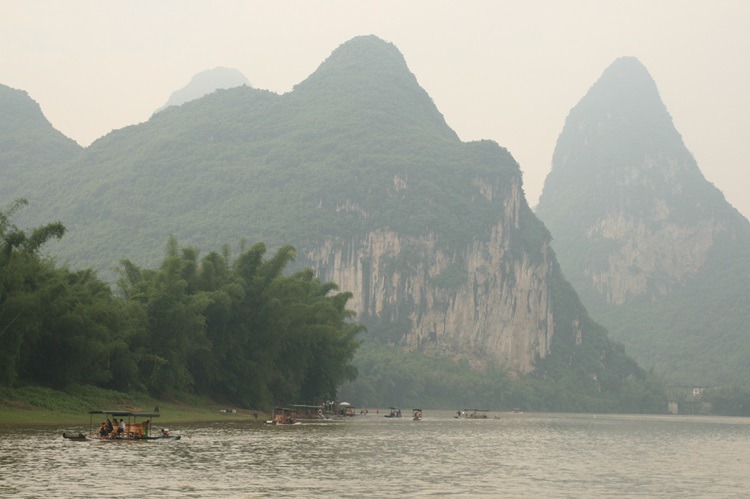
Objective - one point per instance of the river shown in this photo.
(516, 455)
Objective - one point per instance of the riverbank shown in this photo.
(39, 405)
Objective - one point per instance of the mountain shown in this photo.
(30, 148)
(204, 83)
(356, 168)
(657, 254)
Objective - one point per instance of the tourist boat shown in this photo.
(138, 427)
(310, 413)
(283, 416)
(395, 413)
(471, 414)
(346, 409)
(417, 415)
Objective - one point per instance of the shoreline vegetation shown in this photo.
(239, 329)
(41, 406)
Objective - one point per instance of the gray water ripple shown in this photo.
(518, 455)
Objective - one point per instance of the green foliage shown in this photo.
(452, 276)
(593, 372)
(359, 146)
(392, 377)
(356, 148)
(730, 401)
(30, 148)
(240, 330)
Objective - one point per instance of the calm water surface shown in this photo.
(518, 455)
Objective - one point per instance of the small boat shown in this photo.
(471, 414)
(283, 416)
(346, 409)
(395, 413)
(417, 415)
(134, 426)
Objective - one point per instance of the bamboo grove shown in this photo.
(240, 330)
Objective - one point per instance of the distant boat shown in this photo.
(346, 409)
(283, 416)
(136, 426)
(395, 413)
(471, 414)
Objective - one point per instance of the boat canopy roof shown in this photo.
(303, 406)
(128, 414)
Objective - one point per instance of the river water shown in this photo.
(515, 455)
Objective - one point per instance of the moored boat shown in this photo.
(346, 409)
(132, 426)
(283, 416)
(310, 413)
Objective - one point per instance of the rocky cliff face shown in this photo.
(625, 188)
(493, 307)
(650, 258)
(654, 250)
(650, 252)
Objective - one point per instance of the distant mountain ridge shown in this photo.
(29, 146)
(357, 169)
(205, 83)
(655, 251)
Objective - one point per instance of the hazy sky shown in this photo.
(509, 71)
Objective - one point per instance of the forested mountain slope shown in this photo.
(29, 146)
(359, 171)
(655, 251)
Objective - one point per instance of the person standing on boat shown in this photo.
(121, 428)
(110, 428)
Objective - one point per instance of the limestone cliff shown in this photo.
(497, 311)
(654, 250)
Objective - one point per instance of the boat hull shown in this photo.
(80, 437)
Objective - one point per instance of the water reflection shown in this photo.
(526, 454)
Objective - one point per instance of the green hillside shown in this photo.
(331, 158)
(655, 251)
(247, 163)
(30, 148)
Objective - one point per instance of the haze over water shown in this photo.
(528, 455)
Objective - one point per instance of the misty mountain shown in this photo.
(204, 83)
(30, 148)
(356, 168)
(655, 251)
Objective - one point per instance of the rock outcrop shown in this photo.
(654, 249)
(494, 307)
